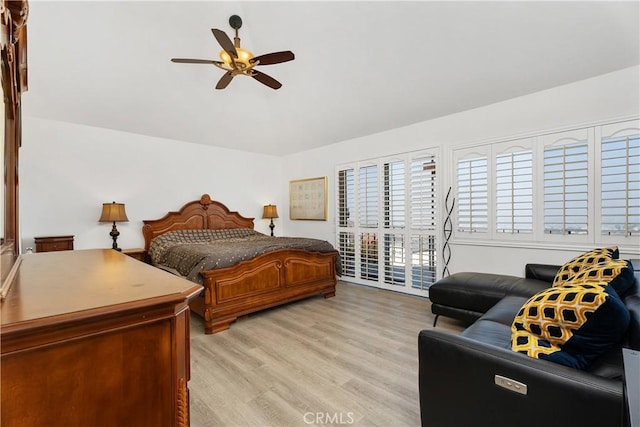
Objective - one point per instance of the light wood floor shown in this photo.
(347, 360)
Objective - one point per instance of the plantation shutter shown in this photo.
(345, 198)
(394, 195)
(423, 193)
(368, 197)
(566, 188)
(472, 197)
(386, 221)
(368, 218)
(394, 219)
(346, 212)
(423, 221)
(514, 192)
(620, 192)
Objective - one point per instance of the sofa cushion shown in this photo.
(571, 325)
(583, 261)
(616, 273)
(489, 332)
(478, 292)
(494, 327)
(505, 310)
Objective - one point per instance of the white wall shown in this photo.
(67, 171)
(609, 96)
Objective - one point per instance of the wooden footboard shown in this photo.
(265, 281)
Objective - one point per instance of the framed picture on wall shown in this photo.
(308, 199)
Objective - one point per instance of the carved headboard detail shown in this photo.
(203, 214)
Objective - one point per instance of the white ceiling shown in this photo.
(360, 68)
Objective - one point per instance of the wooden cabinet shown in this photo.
(94, 337)
(54, 243)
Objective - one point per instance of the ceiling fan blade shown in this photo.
(193, 61)
(224, 80)
(225, 42)
(266, 80)
(274, 58)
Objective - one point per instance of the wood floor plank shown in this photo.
(347, 360)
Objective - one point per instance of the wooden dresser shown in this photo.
(94, 337)
(54, 243)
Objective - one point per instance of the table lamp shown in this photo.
(270, 212)
(113, 212)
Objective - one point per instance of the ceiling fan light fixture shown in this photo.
(240, 62)
(243, 60)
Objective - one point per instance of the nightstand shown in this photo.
(54, 243)
(137, 253)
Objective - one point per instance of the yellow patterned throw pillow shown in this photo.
(571, 325)
(584, 261)
(616, 273)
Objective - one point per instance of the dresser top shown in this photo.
(54, 284)
(53, 238)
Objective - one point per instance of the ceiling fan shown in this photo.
(238, 61)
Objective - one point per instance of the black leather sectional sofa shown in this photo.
(475, 379)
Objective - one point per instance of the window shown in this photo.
(368, 196)
(514, 192)
(423, 261)
(566, 189)
(473, 195)
(394, 195)
(368, 219)
(369, 256)
(394, 262)
(345, 198)
(347, 249)
(423, 193)
(577, 186)
(423, 221)
(620, 180)
(394, 220)
(346, 210)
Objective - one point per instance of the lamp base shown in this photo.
(272, 226)
(114, 235)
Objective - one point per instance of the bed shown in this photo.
(277, 276)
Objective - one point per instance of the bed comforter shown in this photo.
(188, 252)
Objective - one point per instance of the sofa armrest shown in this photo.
(544, 272)
(457, 388)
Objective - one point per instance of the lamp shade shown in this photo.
(113, 212)
(270, 211)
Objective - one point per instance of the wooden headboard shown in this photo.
(203, 214)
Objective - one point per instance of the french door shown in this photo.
(387, 222)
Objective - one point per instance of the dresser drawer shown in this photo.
(54, 243)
